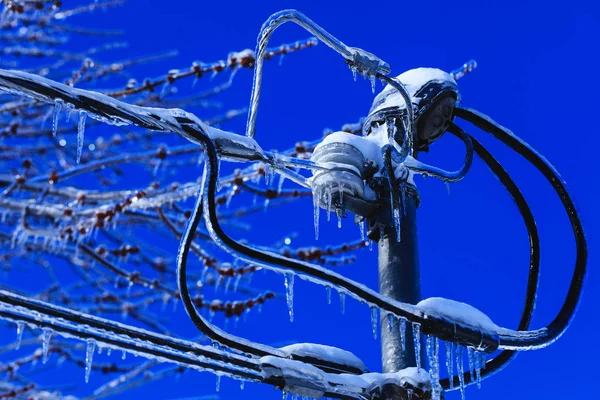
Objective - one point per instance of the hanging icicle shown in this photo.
(397, 223)
(450, 363)
(328, 290)
(339, 213)
(89, 358)
(471, 358)
(361, 226)
(46, 336)
(458, 354)
(328, 199)
(289, 294)
(80, 134)
(55, 116)
(20, 328)
(343, 302)
(374, 315)
(218, 384)
(402, 329)
(436, 362)
(481, 360)
(416, 328)
(390, 319)
(280, 184)
(316, 210)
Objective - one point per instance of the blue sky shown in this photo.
(537, 75)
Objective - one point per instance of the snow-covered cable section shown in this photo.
(305, 380)
(325, 353)
(457, 312)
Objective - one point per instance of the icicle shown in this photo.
(284, 395)
(267, 174)
(108, 351)
(433, 360)
(89, 357)
(397, 223)
(280, 184)
(242, 385)
(450, 363)
(471, 358)
(328, 290)
(390, 318)
(55, 116)
(402, 328)
(328, 198)
(361, 226)
(374, 321)
(218, 383)
(478, 376)
(229, 196)
(354, 71)
(343, 302)
(237, 283)
(447, 183)
(80, 134)
(458, 354)
(289, 294)
(46, 336)
(20, 328)
(339, 213)
(123, 355)
(70, 108)
(316, 210)
(372, 79)
(416, 328)
(481, 359)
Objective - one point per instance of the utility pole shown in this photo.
(399, 279)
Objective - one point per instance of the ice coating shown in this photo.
(306, 380)
(413, 81)
(455, 311)
(370, 146)
(325, 353)
(112, 111)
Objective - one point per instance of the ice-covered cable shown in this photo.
(364, 61)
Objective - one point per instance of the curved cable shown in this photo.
(441, 328)
(364, 61)
(207, 328)
(501, 360)
(536, 339)
(410, 112)
(448, 176)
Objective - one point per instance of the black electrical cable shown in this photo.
(441, 328)
(541, 337)
(99, 325)
(502, 359)
(214, 333)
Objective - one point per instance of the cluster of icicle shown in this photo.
(327, 193)
(454, 353)
(93, 346)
